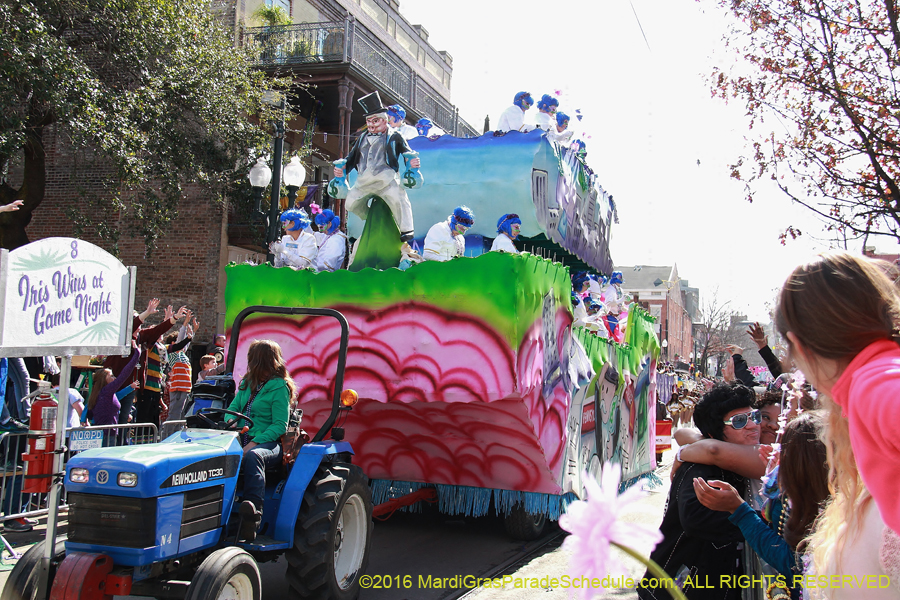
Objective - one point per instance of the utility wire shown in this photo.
(641, 27)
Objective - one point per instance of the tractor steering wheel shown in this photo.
(225, 426)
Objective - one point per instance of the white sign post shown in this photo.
(63, 297)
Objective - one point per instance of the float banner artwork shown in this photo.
(467, 370)
(64, 293)
(557, 197)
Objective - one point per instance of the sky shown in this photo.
(660, 144)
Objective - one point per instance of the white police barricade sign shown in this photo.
(64, 297)
(85, 439)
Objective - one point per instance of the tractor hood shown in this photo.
(185, 460)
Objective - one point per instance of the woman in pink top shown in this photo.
(839, 314)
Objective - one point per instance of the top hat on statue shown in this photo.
(372, 105)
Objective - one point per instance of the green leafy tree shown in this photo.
(819, 79)
(154, 91)
(272, 16)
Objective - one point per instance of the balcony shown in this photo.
(351, 45)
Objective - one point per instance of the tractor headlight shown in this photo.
(127, 479)
(79, 475)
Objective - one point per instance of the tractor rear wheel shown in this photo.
(333, 535)
(521, 525)
(226, 574)
(22, 583)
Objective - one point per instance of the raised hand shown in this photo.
(757, 334)
(152, 306)
(196, 324)
(169, 313)
(180, 312)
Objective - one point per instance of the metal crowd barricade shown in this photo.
(14, 504)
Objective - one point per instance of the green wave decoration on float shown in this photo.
(504, 290)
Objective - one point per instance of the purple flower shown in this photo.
(594, 525)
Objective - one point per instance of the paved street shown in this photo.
(441, 547)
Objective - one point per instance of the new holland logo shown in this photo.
(188, 478)
(102, 476)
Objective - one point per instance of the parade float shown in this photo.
(472, 380)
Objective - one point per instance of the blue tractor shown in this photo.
(161, 520)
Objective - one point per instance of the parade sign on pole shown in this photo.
(63, 296)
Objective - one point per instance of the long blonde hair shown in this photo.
(841, 519)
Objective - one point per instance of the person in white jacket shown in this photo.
(546, 116)
(560, 132)
(508, 228)
(297, 248)
(445, 240)
(396, 119)
(332, 241)
(513, 118)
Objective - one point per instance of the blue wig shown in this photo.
(424, 126)
(329, 220)
(576, 299)
(546, 102)
(562, 119)
(506, 222)
(298, 216)
(578, 280)
(395, 111)
(616, 277)
(462, 215)
(523, 97)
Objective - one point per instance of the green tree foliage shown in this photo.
(154, 90)
(819, 79)
(271, 16)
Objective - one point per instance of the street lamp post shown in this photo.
(294, 175)
(275, 204)
(260, 176)
(665, 347)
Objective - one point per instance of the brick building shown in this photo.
(665, 295)
(347, 48)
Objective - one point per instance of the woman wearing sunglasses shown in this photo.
(840, 316)
(698, 542)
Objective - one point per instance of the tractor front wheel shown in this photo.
(226, 574)
(333, 535)
(22, 583)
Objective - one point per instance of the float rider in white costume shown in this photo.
(513, 118)
(332, 242)
(508, 228)
(377, 156)
(546, 116)
(298, 248)
(445, 239)
(560, 132)
(396, 119)
(426, 128)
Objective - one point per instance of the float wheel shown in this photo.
(521, 525)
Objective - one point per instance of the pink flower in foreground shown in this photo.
(594, 524)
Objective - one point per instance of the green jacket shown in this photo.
(269, 411)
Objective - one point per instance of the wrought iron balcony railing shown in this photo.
(351, 44)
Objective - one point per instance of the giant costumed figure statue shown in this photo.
(376, 156)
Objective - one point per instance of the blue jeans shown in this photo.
(18, 375)
(256, 461)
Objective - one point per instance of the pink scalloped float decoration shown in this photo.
(443, 397)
